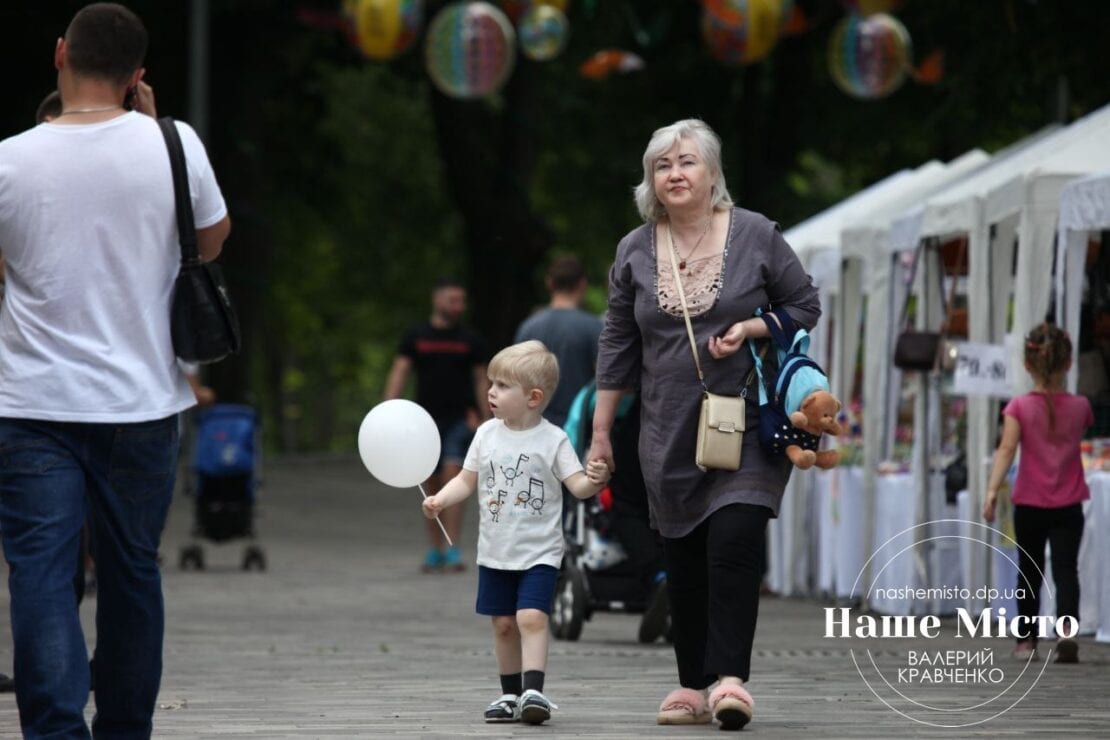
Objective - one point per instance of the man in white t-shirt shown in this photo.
(89, 385)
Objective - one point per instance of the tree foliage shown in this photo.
(353, 185)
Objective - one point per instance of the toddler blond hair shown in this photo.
(528, 364)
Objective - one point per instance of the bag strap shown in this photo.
(690, 326)
(946, 301)
(757, 366)
(799, 345)
(183, 205)
(909, 285)
(779, 330)
(685, 309)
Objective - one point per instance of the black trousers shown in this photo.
(1063, 529)
(713, 579)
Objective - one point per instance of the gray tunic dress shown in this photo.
(643, 346)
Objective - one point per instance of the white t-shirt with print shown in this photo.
(89, 234)
(520, 496)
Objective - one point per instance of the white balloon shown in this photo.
(399, 443)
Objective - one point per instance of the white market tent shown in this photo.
(1084, 208)
(816, 241)
(866, 271)
(1030, 203)
(961, 210)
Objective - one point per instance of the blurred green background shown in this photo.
(353, 185)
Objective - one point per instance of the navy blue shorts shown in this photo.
(502, 593)
(454, 436)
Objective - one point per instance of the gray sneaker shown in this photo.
(535, 708)
(505, 709)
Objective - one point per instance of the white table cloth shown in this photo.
(840, 539)
(908, 557)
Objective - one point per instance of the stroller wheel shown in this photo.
(568, 610)
(191, 557)
(254, 559)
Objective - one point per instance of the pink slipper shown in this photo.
(731, 705)
(684, 707)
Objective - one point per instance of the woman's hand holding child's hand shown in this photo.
(432, 507)
(598, 472)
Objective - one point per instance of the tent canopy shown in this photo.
(1041, 185)
(864, 234)
(822, 231)
(1084, 207)
(1085, 203)
(957, 209)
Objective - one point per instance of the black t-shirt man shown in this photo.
(444, 361)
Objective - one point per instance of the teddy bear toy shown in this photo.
(800, 406)
(815, 416)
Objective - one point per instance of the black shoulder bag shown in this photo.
(920, 350)
(203, 324)
(914, 349)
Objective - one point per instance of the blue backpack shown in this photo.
(797, 376)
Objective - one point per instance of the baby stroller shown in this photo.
(613, 559)
(223, 483)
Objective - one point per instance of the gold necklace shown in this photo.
(682, 260)
(89, 110)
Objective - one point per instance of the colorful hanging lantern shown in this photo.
(470, 50)
(743, 31)
(870, 57)
(543, 32)
(385, 28)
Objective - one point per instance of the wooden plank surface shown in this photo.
(342, 636)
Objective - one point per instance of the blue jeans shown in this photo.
(455, 437)
(54, 477)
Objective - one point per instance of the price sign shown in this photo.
(982, 370)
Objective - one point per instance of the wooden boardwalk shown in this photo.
(343, 637)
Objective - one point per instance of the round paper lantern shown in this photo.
(869, 57)
(869, 7)
(469, 51)
(743, 31)
(543, 32)
(385, 28)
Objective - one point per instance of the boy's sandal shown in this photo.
(504, 709)
(731, 705)
(535, 708)
(684, 707)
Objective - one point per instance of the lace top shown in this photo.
(701, 280)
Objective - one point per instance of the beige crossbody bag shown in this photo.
(721, 423)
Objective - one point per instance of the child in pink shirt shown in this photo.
(1050, 488)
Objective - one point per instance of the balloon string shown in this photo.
(441, 527)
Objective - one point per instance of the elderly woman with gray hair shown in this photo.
(713, 522)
